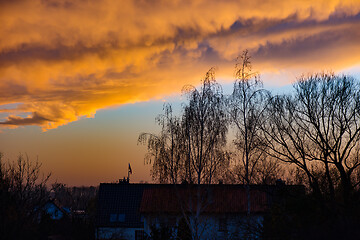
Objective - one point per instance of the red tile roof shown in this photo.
(212, 199)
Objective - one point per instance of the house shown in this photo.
(53, 210)
(213, 211)
(216, 211)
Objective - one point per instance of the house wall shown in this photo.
(208, 227)
(116, 233)
(160, 220)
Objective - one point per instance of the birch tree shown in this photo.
(191, 147)
(206, 126)
(166, 150)
(247, 106)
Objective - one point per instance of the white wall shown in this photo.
(116, 233)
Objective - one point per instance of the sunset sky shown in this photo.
(79, 80)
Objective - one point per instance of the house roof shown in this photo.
(211, 199)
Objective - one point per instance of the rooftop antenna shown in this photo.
(129, 172)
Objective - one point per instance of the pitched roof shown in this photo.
(210, 198)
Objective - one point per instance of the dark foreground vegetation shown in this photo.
(26, 203)
(310, 136)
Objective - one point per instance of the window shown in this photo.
(113, 217)
(139, 235)
(121, 217)
(117, 217)
(222, 225)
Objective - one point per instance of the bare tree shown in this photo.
(166, 151)
(22, 192)
(190, 147)
(206, 126)
(247, 106)
(318, 130)
(26, 180)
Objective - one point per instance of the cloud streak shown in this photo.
(64, 60)
(34, 119)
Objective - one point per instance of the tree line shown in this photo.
(309, 136)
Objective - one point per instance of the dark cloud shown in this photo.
(58, 3)
(128, 73)
(35, 119)
(297, 48)
(11, 91)
(33, 52)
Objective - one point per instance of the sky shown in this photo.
(80, 80)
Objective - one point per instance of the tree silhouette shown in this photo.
(206, 128)
(314, 132)
(247, 109)
(22, 193)
(190, 148)
(166, 151)
(318, 130)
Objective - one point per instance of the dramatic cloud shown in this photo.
(64, 60)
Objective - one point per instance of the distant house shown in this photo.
(53, 210)
(218, 211)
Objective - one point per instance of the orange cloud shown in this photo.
(64, 60)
